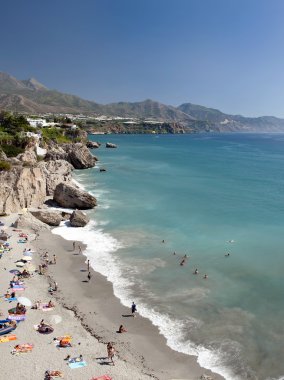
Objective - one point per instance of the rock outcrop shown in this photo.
(56, 152)
(71, 197)
(22, 187)
(78, 219)
(79, 156)
(28, 221)
(28, 182)
(56, 172)
(110, 145)
(50, 217)
(92, 145)
(28, 157)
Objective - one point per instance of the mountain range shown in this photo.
(30, 96)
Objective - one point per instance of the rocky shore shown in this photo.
(31, 182)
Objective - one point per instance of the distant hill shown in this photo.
(147, 109)
(31, 96)
(219, 121)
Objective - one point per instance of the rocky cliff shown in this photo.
(22, 187)
(28, 183)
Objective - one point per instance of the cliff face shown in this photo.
(22, 187)
(56, 172)
(28, 183)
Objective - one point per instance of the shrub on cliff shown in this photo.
(54, 134)
(5, 166)
(11, 150)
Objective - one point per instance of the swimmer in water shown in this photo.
(196, 271)
(227, 254)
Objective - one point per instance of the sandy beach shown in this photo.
(90, 313)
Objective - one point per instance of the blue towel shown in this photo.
(77, 365)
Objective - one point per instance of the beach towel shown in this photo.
(11, 299)
(17, 317)
(44, 307)
(64, 337)
(104, 377)
(17, 283)
(18, 288)
(22, 348)
(8, 338)
(54, 374)
(77, 364)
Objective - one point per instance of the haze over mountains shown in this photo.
(30, 96)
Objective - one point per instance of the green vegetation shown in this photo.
(13, 139)
(12, 150)
(5, 166)
(55, 134)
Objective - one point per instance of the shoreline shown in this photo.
(145, 342)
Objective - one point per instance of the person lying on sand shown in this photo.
(122, 329)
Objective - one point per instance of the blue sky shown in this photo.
(226, 54)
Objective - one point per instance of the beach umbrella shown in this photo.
(20, 264)
(28, 253)
(24, 301)
(26, 258)
(14, 271)
(55, 319)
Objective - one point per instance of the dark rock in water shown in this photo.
(71, 197)
(50, 217)
(78, 219)
(102, 170)
(110, 145)
(93, 144)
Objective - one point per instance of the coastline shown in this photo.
(101, 313)
(142, 352)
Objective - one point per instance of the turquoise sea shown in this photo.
(205, 195)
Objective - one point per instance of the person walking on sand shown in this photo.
(133, 309)
(110, 352)
(74, 245)
(80, 249)
(54, 259)
(89, 276)
(88, 263)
